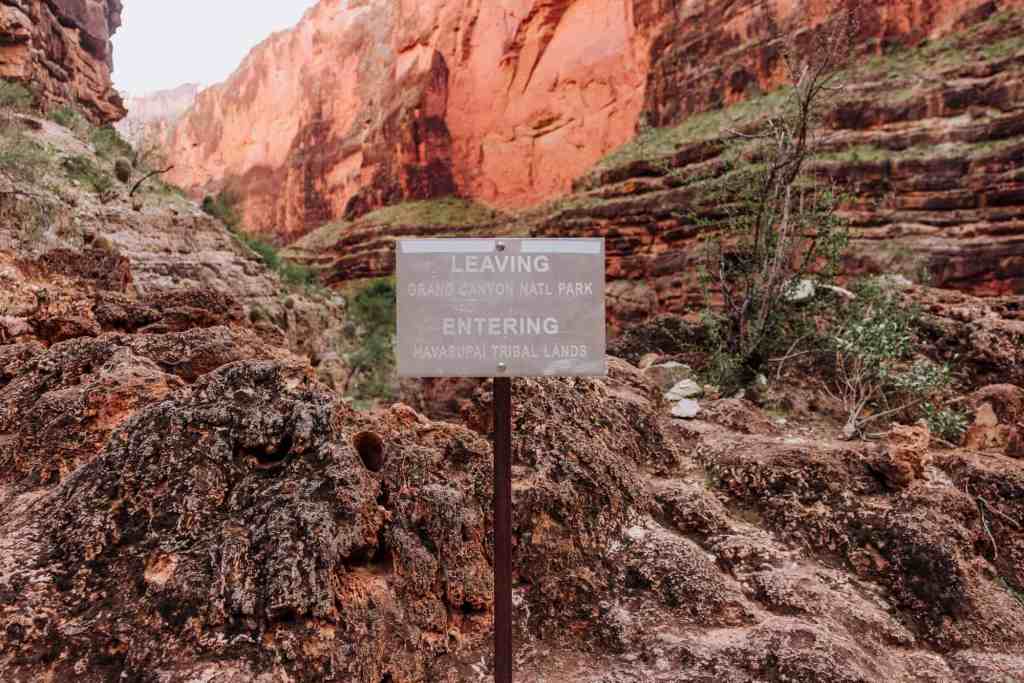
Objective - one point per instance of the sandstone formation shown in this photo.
(61, 49)
(925, 141)
(506, 103)
(150, 117)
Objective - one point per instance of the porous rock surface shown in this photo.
(152, 263)
(243, 523)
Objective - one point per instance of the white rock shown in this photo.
(800, 291)
(684, 389)
(686, 409)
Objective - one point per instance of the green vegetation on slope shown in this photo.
(898, 70)
(15, 96)
(224, 207)
(373, 309)
(446, 211)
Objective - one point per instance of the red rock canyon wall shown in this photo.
(62, 49)
(366, 103)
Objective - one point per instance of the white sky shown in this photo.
(163, 44)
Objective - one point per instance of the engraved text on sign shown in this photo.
(489, 307)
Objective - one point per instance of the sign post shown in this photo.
(501, 308)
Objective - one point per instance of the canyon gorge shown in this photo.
(209, 471)
(514, 104)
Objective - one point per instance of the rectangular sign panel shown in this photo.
(501, 307)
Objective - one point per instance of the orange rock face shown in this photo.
(61, 48)
(364, 104)
(368, 103)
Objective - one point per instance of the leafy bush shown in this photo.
(767, 224)
(86, 172)
(15, 96)
(109, 144)
(374, 310)
(874, 345)
(946, 423)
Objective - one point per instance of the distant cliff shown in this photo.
(153, 114)
(368, 103)
(62, 49)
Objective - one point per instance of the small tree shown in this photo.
(768, 224)
(150, 157)
(878, 367)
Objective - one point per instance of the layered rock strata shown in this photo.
(62, 50)
(366, 104)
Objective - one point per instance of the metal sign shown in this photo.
(501, 307)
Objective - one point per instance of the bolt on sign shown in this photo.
(501, 307)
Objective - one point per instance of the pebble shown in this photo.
(684, 389)
(686, 409)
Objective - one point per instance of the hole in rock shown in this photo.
(371, 450)
(273, 458)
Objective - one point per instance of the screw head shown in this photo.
(502, 367)
(500, 246)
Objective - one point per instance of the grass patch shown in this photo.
(652, 143)
(71, 119)
(293, 274)
(109, 144)
(15, 96)
(85, 171)
(21, 158)
(373, 309)
(446, 211)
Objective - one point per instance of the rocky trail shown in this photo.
(190, 494)
(186, 499)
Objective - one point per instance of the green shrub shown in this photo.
(947, 423)
(86, 172)
(15, 96)
(72, 120)
(224, 207)
(374, 310)
(264, 249)
(874, 345)
(109, 144)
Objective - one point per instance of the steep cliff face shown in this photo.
(926, 140)
(62, 49)
(364, 104)
(152, 115)
(368, 103)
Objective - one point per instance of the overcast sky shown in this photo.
(163, 44)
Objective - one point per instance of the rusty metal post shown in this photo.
(502, 530)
